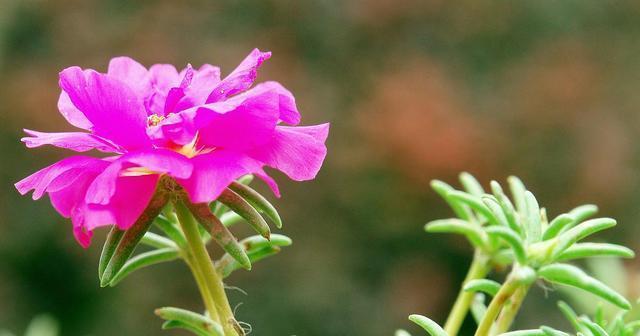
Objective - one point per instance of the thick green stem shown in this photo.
(510, 311)
(503, 295)
(202, 262)
(478, 270)
(209, 304)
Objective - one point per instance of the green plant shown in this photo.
(515, 233)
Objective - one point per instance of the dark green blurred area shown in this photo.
(414, 89)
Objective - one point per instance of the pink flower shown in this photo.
(201, 130)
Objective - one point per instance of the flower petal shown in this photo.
(213, 172)
(132, 73)
(269, 181)
(241, 78)
(176, 93)
(163, 77)
(110, 105)
(40, 181)
(296, 151)
(75, 141)
(69, 111)
(154, 162)
(286, 102)
(204, 80)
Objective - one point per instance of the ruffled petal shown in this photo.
(150, 162)
(41, 181)
(69, 111)
(75, 141)
(132, 73)
(110, 105)
(204, 80)
(163, 77)
(271, 183)
(241, 78)
(177, 93)
(286, 102)
(296, 151)
(213, 172)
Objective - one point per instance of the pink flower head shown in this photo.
(199, 129)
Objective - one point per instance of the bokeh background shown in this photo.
(414, 89)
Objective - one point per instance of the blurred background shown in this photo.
(414, 89)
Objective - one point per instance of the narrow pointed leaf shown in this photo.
(589, 250)
(527, 332)
(401, 332)
(478, 308)
(132, 237)
(518, 193)
(507, 207)
(173, 324)
(200, 322)
(171, 230)
(443, 189)
(573, 276)
(475, 235)
(595, 329)
(583, 212)
(474, 203)
(471, 185)
(227, 265)
(482, 285)
(427, 324)
(143, 260)
(230, 219)
(570, 315)
(511, 238)
(157, 241)
(548, 331)
(257, 201)
(581, 231)
(533, 224)
(493, 205)
(219, 232)
(110, 244)
(240, 206)
(557, 225)
(246, 180)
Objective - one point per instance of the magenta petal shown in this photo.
(176, 93)
(132, 73)
(69, 194)
(213, 172)
(110, 105)
(251, 123)
(157, 161)
(75, 141)
(296, 151)
(163, 77)
(286, 102)
(204, 79)
(241, 78)
(269, 181)
(69, 111)
(40, 181)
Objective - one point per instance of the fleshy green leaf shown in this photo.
(143, 260)
(171, 230)
(589, 250)
(194, 320)
(242, 207)
(570, 315)
(478, 308)
(573, 276)
(173, 324)
(507, 207)
(518, 193)
(493, 205)
(257, 248)
(230, 219)
(257, 201)
(401, 332)
(581, 231)
(548, 331)
(471, 185)
(157, 241)
(595, 329)
(427, 324)
(482, 285)
(474, 203)
(512, 239)
(527, 332)
(475, 235)
(557, 225)
(443, 189)
(110, 244)
(42, 325)
(533, 227)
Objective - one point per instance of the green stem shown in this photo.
(503, 295)
(510, 310)
(209, 304)
(202, 262)
(478, 270)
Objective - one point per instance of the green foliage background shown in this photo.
(414, 89)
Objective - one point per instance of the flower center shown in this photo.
(154, 120)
